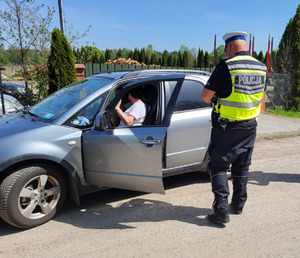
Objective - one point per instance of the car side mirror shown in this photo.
(101, 121)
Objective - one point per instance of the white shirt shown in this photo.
(138, 111)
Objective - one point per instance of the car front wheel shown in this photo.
(31, 196)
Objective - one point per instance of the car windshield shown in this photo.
(60, 101)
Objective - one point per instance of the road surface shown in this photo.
(117, 223)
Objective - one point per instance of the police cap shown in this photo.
(234, 35)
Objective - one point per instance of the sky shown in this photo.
(169, 24)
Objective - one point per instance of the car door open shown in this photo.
(127, 157)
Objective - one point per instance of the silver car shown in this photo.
(11, 105)
(71, 142)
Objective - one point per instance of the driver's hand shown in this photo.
(119, 104)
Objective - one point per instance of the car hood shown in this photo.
(14, 124)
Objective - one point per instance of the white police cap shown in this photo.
(234, 35)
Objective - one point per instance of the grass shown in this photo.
(14, 76)
(280, 112)
(287, 113)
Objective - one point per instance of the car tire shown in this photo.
(31, 196)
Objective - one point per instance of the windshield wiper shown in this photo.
(26, 111)
(32, 114)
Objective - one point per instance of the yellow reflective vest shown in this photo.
(248, 77)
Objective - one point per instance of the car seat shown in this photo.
(150, 98)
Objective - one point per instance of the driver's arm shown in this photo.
(127, 119)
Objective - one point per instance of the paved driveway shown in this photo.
(119, 223)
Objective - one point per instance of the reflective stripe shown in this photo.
(243, 58)
(249, 90)
(245, 87)
(239, 104)
(243, 72)
(246, 66)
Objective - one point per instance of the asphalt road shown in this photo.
(116, 223)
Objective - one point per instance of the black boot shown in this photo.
(218, 219)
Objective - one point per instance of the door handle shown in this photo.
(153, 141)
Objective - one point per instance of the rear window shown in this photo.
(190, 96)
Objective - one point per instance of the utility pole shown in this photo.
(268, 55)
(250, 44)
(215, 52)
(1, 92)
(62, 26)
(271, 59)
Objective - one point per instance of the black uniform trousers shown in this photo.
(235, 147)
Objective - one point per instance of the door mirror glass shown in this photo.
(101, 121)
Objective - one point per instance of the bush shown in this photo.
(61, 64)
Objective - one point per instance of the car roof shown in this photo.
(12, 84)
(118, 74)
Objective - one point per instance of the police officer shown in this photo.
(236, 87)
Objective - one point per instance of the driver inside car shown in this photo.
(136, 113)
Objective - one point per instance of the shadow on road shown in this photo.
(261, 178)
(96, 211)
(134, 211)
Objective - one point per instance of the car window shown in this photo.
(190, 96)
(85, 117)
(149, 97)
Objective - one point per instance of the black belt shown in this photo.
(224, 121)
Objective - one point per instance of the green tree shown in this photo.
(206, 59)
(284, 57)
(174, 64)
(149, 50)
(61, 65)
(261, 56)
(185, 59)
(142, 55)
(293, 102)
(159, 61)
(23, 26)
(130, 54)
(154, 58)
(200, 58)
(125, 52)
(107, 55)
(147, 59)
(119, 53)
(254, 54)
(273, 61)
(266, 58)
(220, 51)
(179, 59)
(164, 60)
(170, 60)
(136, 54)
(4, 56)
(88, 54)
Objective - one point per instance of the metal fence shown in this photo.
(278, 89)
(93, 68)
